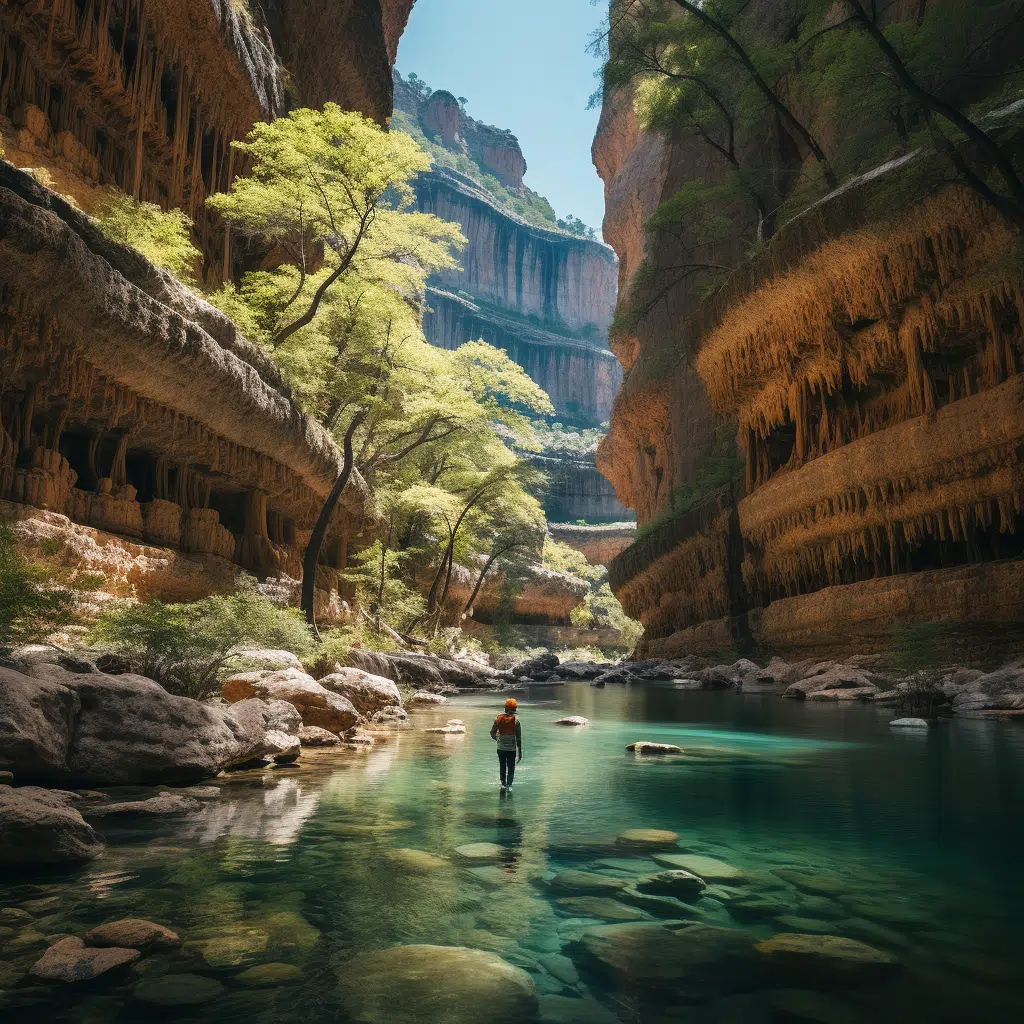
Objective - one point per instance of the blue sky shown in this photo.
(522, 66)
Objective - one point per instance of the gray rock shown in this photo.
(134, 933)
(615, 676)
(573, 720)
(264, 660)
(390, 713)
(156, 806)
(102, 730)
(314, 736)
(368, 693)
(425, 670)
(999, 691)
(582, 669)
(829, 677)
(677, 882)
(39, 832)
(539, 669)
(908, 723)
(425, 697)
(560, 967)
(70, 961)
(645, 747)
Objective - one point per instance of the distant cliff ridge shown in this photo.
(543, 294)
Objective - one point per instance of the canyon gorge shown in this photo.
(853, 384)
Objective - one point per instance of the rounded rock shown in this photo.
(645, 748)
(133, 933)
(480, 852)
(423, 984)
(269, 975)
(908, 723)
(70, 961)
(177, 990)
(573, 720)
(647, 838)
(824, 959)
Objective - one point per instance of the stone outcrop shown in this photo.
(577, 490)
(100, 419)
(99, 730)
(867, 361)
(316, 704)
(35, 830)
(598, 544)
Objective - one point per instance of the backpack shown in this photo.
(506, 731)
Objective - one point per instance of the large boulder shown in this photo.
(368, 693)
(726, 677)
(35, 831)
(315, 703)
(426, 671)
(582, 669)
(539, 669)
(102, 730)
(993, 694)
(434, 984)
(829, 677)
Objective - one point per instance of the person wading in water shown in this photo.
(507, 731)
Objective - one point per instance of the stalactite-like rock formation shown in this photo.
(874, 377)
(101, 418)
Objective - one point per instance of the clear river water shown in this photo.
(803, 818)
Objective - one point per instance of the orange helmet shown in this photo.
(511, 704)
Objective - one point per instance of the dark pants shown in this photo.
(507, 766)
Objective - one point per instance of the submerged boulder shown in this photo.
(421, 984)
(37, 831)
(813, 960)
(70, 961)
(573, 720)
(645, 747)
(134, 933)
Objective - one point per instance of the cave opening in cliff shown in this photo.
(74, 445)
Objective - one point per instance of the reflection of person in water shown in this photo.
(509, 735)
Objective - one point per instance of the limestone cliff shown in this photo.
(544, 295)
(866, 360)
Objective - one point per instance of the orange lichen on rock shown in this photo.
(872, 328)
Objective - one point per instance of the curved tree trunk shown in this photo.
(316, 539)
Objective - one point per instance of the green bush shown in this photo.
(164, 238)
(31, 605)
(184, 647)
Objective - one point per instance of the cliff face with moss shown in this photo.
(134, 414)
(542, 294)
(864, 367)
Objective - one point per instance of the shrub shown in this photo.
(31, 605)
(184, 647)
(164, 238)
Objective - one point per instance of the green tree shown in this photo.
(31, 604)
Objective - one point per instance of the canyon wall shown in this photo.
(542, 294)
(863, 366)
(133, 413)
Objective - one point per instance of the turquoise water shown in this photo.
(909, 842)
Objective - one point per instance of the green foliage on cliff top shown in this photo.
(163, 237)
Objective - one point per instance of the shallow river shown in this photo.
(802, 818)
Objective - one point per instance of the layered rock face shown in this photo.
(128, 405)
(870, 374)
(543, 295)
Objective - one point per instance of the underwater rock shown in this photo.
(600, 907)
(234, 946)
(70, 961)
(709, 868)
(577, 720)
(36, 832)
(675, 882)
(648, 839)
(367, 692)
(269, 975)
(586, 881)
(422, 984)
(177, 990)
(815, 960)
(560, 967)
(908, 723)
(645, 747)
(481, 852)
(558, 1009)
(314, 736)
(820, 885)
(417, 862)
(448, 730)
(799, 1006)
(134, 933)
(699, 957)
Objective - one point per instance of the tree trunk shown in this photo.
(316, 539)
